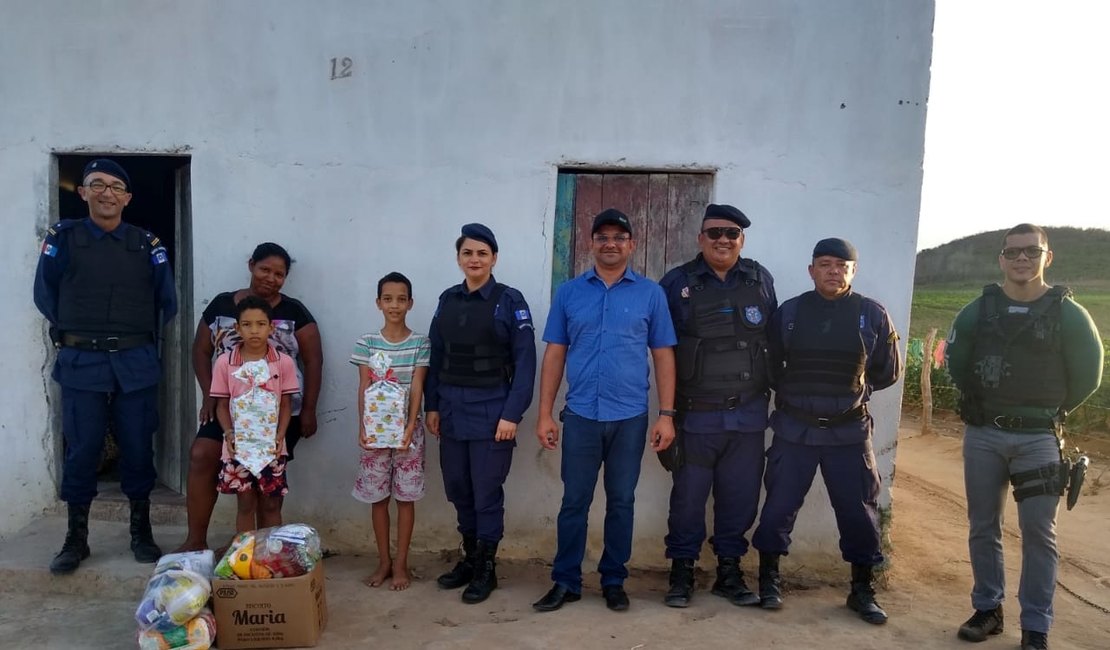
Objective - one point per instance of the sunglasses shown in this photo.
(1031, 252)
(716, 233)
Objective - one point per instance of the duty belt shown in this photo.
(106, 343)
(1019, 422)
(711, 403)
(824, 422)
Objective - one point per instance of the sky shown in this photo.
(1018, 125)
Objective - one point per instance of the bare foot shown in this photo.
(378, 577)
(189, 545)
(401, 577)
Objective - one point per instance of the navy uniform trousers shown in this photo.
(87, 409)
(852, 480)
(474, 465)
(730, 465)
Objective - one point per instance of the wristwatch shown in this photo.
(668, 412)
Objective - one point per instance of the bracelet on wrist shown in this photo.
(668, 412)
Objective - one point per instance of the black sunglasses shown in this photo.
(1031, 252)
(715, 233)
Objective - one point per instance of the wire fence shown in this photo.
(1093, 416)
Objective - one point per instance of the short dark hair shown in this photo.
(1026, 229)
(394, 276)
(270, 249)
(254, 302)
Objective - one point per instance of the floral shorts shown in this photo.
(392, 472)
(235, 478)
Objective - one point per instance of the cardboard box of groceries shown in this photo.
(275, 613)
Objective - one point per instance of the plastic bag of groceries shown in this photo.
(385, 404)
(283, 551)
(196, 634)
(171, 599)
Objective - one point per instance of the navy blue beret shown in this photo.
(480, 233)
(106, 166)
(836, 247)
(612, 217)
(728, 213)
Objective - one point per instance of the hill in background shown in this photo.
(1080, 260)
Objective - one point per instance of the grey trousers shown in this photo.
(990, 456)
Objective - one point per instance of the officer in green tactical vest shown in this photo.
(1023, 355)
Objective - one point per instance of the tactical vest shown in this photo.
(825, 353)
(473, 356)
(1016, 359)
(722, 346)
(108, 285)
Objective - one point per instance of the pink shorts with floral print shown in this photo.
(392, 472)
(235, 478)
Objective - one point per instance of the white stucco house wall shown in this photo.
(361, 135)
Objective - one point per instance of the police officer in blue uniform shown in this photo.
(479, 385)
(720, 305)
(106, 288)
(836, 348)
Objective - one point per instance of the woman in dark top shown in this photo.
(295, 334)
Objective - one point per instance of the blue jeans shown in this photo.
(990, 457)
(587, 444)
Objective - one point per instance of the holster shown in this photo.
(1075, 479)
(1049, 479)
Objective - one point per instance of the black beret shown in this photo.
(614, 217)
(480, 233)
(836, 247)
(106, 166)
(728, 213)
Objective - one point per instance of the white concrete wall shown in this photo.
(813, 113)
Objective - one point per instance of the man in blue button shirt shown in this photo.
(600, 326)
(720, 305)
(106, 288)
(833, 348)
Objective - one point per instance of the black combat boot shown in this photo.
(862, 597)
(983, 623)
(681, 583)
(463, 572)
(770, 585)
(142, 538)
(730, 583)
(76, 546)
(1033, 640)
(485, 573)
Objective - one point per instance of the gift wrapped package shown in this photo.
(384, 407)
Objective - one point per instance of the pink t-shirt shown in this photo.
(283, 379)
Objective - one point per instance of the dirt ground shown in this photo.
(926, 591)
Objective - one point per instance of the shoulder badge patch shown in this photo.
(49, 250)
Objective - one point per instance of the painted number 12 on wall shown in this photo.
(341, 67)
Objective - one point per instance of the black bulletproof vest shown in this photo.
(825, 354)
(1016, 359)
(721, 352)
(108, 285)
(473, 356)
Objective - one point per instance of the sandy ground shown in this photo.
(926, 592)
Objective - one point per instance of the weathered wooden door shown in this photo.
(664, 208)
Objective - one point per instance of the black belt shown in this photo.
(106, 343)
(711, 403)
(1020, 422)
(851, 415)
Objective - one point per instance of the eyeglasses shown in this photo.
(715, 233)
(1031, 252)
(98, 187)
(616, 239)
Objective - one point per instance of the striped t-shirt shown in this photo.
(415, 351)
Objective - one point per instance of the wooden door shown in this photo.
(663, 208)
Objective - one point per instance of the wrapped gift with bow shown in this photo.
(254, 416)
(384, 407)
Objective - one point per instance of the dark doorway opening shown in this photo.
(160, 204)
